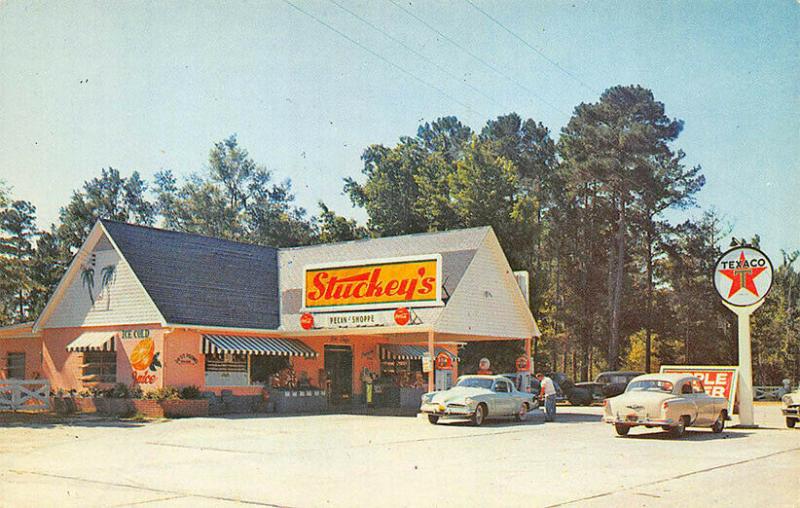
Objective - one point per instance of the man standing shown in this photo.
(548, 392)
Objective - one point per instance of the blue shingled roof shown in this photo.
(198, 280)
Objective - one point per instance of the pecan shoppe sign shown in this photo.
(374, 284)
(743, 276)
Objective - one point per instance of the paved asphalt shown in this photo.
(346, 460)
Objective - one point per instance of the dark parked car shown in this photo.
(566, 389)
(609, 384)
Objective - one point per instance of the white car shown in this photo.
(478, 398)
(791, 407)
(670, 401)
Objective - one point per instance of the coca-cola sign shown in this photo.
(374, 284)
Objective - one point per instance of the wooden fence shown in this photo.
(27, 394)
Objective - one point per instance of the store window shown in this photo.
(226, 369)
(263, 368)
(15, 366)
(99, 367)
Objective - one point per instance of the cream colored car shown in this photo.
(791, 407)
(670, 401)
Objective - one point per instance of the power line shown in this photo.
(532, 48)
(381, 57)
(475, 57)
(417, 53)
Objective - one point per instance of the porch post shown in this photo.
(433, 358)
(528, 353)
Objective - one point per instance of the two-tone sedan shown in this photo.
(478, 398)
(670, 401)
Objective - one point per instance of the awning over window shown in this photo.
(93, 341)
(409, 352)
(256, 346)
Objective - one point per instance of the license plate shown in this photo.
(441, 408)
(633, 418)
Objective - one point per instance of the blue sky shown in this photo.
(152, 85)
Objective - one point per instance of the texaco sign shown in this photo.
(743, 276)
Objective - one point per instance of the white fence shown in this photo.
(27, 394)
(767, 392)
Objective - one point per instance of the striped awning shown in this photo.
(93, 341)
(256, 346)
(410, 352)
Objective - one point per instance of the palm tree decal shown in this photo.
(87, 276)
(107, 275)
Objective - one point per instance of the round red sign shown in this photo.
(307, 321)
(443, 361)
(522, 363)
(402, 316)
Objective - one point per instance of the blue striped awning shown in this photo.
(410, 352)
(256, 346)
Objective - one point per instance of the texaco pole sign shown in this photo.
(743, 277)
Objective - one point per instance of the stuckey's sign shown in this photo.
(374, 284)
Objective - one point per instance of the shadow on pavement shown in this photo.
(49, 420)
(691, 435)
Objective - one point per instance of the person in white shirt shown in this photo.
(548, 391)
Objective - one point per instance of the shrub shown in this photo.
(120, 391)
(167, 393)
(85, 393)
(190, 392)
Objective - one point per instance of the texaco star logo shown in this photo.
(743, 276)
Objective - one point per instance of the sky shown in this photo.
(307, 85)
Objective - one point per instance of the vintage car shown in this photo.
(791, 407)
(478, 398)
(608, 384)
(525, 382)
(670, 401)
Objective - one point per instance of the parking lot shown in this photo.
(353, 460)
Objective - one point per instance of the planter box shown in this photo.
(129, 407)
(299, 401)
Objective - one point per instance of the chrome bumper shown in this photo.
(638, 421)
(791, 411)
(449, 410)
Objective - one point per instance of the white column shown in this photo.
(745, 382)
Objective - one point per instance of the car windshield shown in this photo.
(475, 382)
(655, 385)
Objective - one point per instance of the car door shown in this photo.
(690, 401)
(705, 404)
(504, 401)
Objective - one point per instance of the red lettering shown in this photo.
(427, 285)
(391, 288)
(319, 286)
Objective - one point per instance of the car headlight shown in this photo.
(787, 399)
(426, 397)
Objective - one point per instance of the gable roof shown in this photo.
(199, 280)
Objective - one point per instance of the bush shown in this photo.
(168, 393)
(190, 393)
(120, 391)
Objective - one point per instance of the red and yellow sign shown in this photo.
(717, 380)
(144, 361)
(374, 284)
(522, 364)
(443, 361)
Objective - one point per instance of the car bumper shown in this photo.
(793, 411)
(449, 410)
(638, 421)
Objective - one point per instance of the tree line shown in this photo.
(615, 284)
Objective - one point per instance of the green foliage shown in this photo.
(335, 228)
(190, 393)
(234, 199)
(17, 236)
(165, 393)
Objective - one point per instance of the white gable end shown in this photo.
(100, 289)
(488, 301)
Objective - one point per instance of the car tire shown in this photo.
(790, 422)
(522, 414)
(479, 416)
(679, 430)
(719, 425)
(622, 430)
(434, 419)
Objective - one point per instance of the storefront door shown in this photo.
(339, 370)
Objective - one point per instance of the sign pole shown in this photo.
(746, 418)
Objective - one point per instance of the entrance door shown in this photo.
(339, 369)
